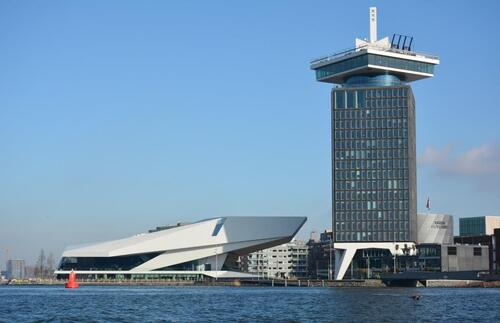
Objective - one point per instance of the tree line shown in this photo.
(45, 265)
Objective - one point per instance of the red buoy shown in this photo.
(72, 280)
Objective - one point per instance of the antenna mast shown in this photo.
(373, 24)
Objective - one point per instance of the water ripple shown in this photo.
(246, 304)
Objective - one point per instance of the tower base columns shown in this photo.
(345, 251)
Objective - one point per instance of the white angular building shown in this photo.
(208, 248)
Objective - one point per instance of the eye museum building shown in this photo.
(208, 249)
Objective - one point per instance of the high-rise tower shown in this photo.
(373, 143)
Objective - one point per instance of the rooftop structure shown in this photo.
(375, 57)
(434, 228)
(480, 225)
(168, 226)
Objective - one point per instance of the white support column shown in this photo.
(345, 251)
(343, 258)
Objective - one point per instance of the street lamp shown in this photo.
(396, 247)
(330, 262)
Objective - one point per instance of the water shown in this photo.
(246, 304)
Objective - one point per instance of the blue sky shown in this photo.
(118, 116)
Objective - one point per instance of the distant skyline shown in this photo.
(120, 116)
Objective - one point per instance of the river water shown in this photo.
(247, 304)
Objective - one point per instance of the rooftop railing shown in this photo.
(351, 51)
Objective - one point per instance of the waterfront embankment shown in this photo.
(367, 283)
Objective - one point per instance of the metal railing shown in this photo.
(349, 52)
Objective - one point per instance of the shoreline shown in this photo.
(371, 283)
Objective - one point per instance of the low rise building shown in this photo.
(436, 251)
(446, 258)
(479, 226)
(464, 258)
(321, 258)
(439, 251)
(491, 241)
(16, 269)
(288, 260)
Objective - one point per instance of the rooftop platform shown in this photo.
(371, 60)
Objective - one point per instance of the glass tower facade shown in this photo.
(374, 200)
(374, 164)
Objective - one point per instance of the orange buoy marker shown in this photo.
(72, 281)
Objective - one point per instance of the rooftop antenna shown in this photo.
(373, 24)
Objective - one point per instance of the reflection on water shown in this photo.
(100, 304)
